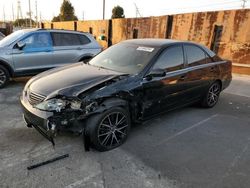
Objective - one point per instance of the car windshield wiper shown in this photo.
(107, 68)
(99, 66)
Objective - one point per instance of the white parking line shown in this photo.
(185, 130)
(233, 93)
(81, 183)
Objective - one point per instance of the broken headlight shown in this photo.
(75, 105)
(58, 105)
(52, 105)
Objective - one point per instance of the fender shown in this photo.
(109, 103)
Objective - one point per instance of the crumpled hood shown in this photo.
(70, 80)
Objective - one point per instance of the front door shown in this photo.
(166, 92)
(35, 56)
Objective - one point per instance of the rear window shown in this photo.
(83, 39)
(195, 55)
(69, 39)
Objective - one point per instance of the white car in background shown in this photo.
(31, 51)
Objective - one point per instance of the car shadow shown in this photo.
(16, 83)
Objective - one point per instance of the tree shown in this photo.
(56, 19)
(117, 12)
(23, 22)
(67, 12)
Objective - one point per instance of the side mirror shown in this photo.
(20, 45)
(155, 73)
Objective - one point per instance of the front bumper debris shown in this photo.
(46, 134)
(38, 120)
(47, 123)
(47, 162)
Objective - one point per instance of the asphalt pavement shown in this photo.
(189, 147)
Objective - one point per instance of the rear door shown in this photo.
(68, 47)
(200, 71)
(164, 93)
(36, 54)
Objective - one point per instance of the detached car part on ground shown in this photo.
(129, 82)
(31, 51)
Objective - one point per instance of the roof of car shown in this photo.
(51, 30)
(155, 42)
(159, 43)
(28, 30)
(60, 30)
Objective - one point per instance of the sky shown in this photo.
(92, 9)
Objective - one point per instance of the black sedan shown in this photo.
(128, 83)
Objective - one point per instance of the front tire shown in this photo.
(109, 129)
(4, 76)
(212, 96)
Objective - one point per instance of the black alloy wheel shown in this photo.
(109, 129)
(112, 129)
(4, 76)
(212, 95)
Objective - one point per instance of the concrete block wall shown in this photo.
(235, 38)
(234, 43)
(69, 25)
(148, 27)
(98, 28)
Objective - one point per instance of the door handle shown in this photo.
(79, 48)
(47, 50)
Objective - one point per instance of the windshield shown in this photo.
(124, 57)
(11, 38)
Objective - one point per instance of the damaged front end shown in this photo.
(57, 114)
(63, 112)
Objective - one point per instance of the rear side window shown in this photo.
(195, 56)
(171, 59)
(69, 39)
(84, 39)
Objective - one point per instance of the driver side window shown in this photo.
(170, 59)
(37, 40)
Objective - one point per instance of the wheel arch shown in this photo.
(8, 67)
(220, 82)
(114, 102)
(86, 56)
(109, 103)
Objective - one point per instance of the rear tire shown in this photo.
(212, 96)
(109, 129)
(4, 76)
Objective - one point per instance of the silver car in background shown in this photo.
(31, 51)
